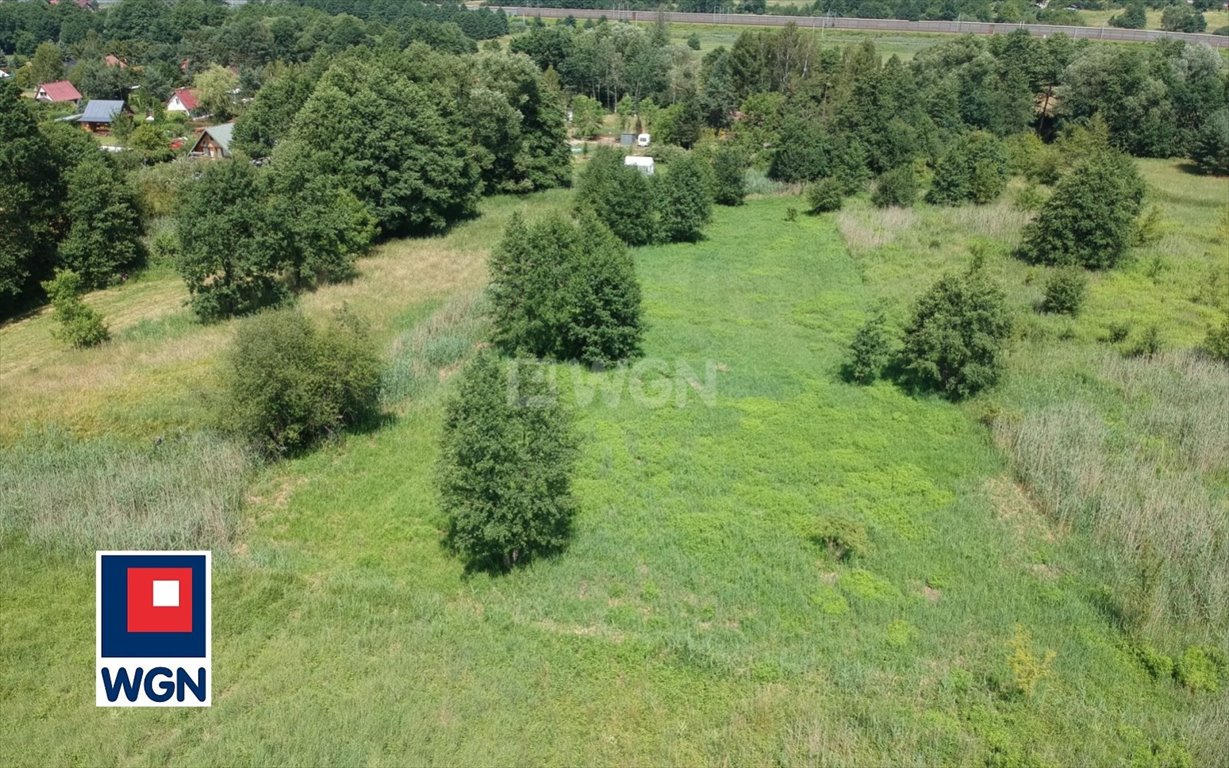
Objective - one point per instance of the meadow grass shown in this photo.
(694, 619)
(61, 493)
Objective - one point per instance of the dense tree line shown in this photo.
(63, 206)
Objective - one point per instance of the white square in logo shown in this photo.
(166, 594)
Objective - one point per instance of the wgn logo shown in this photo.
(153, 629)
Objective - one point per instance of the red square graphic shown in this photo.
(166, 609)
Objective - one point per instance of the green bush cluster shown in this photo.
(80, 325)
(1065, 291)
(1202, 668)
(825, 195)
(289, 383)
(672, 206)
(974, 169)
(565, 290)
(897, 187)
(729, 176)
(844, 538)
(1089, 220)
(954, 341)
(870, 351)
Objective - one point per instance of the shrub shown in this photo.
(827, 194)
(1216, 345)
(505, 470)
(1065, 291)
(684, 200)
(1117, 332)
(1089, 219)
(621, 197)
(566, 291)
(1148, 344)
(1202, 668)
(1158, 665)
(693, 41)
(729, 177)
(289, 383)
(1132, 17)
(974, 169)
(1182, 18)
(80, 325)
(870, 351)
(897, 187)
(954, 341)
(844, 539)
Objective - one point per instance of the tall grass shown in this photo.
(1147, 477)
(423, 355)
(59, 492)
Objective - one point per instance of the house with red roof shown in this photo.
(111, 60)
(59, 92)
(184, 101)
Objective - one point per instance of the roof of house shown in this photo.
(101, 111)
(111, 60)
(60, 90)
(221, 134)
(187, 97)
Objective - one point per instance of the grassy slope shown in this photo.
(692, 619)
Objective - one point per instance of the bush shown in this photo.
(289, 383)
(1148, 344)
(1216, 345)
(954, 341)
(684, 200)
(621, 197)
(870, 351)
(80, 326)
(897, 187)
(844, 539)
(693, 41)
(1182, 18)
(827, 194)
(974, 169)
(505, 470)
(1089, 219)
(565, 291)
(1159, 666)
(1202, 668)
(1065, 291)
(1132, 17)
(729, 177)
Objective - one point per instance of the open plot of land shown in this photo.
(695, 617)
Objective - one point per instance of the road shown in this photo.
(877, 25)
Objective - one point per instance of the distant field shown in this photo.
(1216, 19)
(903, 45)
(694, 619)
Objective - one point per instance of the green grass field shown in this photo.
(694, 619)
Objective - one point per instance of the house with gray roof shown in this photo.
(213, 142)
